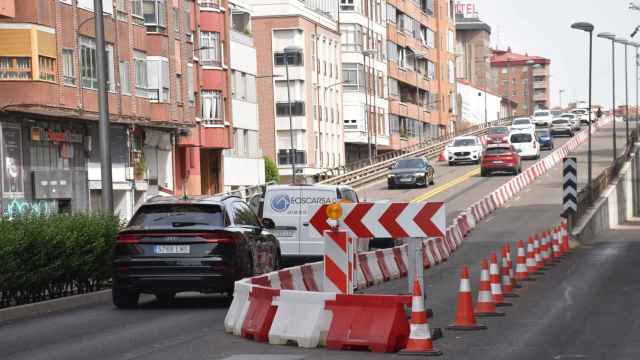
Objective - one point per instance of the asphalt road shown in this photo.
(583, 306)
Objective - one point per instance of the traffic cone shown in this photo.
(465, 320)
(536, 253)
(546, 246)
(522, 272)
(512, 274)
(442, 157)
(564, 247)
(532, 266)
(419, 342)
(485, 307)
(507, 284)
(556, 244)
(496, 282)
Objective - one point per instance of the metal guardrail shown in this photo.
(360, 174)
(602, 181)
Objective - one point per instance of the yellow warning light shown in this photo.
(334, 211)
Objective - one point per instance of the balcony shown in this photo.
(540, 71)
(540, 85)
(540, 97)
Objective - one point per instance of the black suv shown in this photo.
(202, 244)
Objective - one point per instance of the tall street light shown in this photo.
(365, 54)
(585, 26)
(560, 92)
(612, 37)
(290, 51)
(626, 84)
(636, 45)
(103, 106)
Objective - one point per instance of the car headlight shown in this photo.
(420, 174)
(392, 175)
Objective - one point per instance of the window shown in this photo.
(88, 64)
(191, 94)
(171, 214)
(427, 6)
(284, 157)
(176, 19)
(243, 215)
(15, 68)
(209, 4)
(347, 5)
(211, 107)
(187, 21)
(158, 78)
(394, 90)
(353, 77)
(294, 59)
(137, 12)
(107, 5)
(351, 37)
(178, 89)
(391, 13)
(68, 70)
(450, 41)
(121, 9)
(210, 53)
(124, 78)
(297, 108)
(140, 64)
(452, 70)
(154, 15)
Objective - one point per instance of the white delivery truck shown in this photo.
(288, 207)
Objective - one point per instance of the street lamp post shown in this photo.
(290, 50)
(636, 45)
(612, 37)
(365, 54)
(585, 26)
(625, 42)
(560, 97)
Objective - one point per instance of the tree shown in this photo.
(271, 173)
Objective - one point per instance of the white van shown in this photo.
(288, 207)
(525, 143)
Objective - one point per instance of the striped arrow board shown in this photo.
(570, 185)
(386, 220)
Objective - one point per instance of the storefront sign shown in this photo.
(66, 136)
(467, 8)
(12, 160)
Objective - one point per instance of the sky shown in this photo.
(542, 27)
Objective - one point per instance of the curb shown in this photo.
(54, 305)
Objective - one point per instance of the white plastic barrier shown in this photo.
(390, 261)
(239, 306)
(301, 317)
(296, 278)
(376, 273)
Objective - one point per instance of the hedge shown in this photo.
(53, 256)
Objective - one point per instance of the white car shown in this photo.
(583, 115)
(464, 149)
(573, 119)
(525, 143)
(542, 118)
(523, 123)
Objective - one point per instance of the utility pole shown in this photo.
(103, 105)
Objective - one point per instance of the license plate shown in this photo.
(498, 162)
(406, 180)
(172, 249)
(284, 233)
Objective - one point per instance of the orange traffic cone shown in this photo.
(565, 248)
(507, 284)
(546, 248)
(419, 342)
(522, 271)
(496, 283)
(442, 156)
(536, 253)
(512, 274)
(532, 265)
(556, 244)
(485, 307)
(465, 320)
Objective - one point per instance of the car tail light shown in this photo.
(216, 238)
(128, 239)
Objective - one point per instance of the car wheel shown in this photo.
(519, 170)
(124, 298)
(432, 181)
(483, 172)
(390, 187)
(451, 163)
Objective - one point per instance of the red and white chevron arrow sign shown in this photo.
(386, 220)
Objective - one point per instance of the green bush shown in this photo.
(271, 173)
(53, 256)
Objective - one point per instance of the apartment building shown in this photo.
(167, 85)
(243, 163)
(364, 78)
(312, 138)
(473, 45)
(523, 79)
(421, 68)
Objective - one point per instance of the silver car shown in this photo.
(560, 126)
(573, 119)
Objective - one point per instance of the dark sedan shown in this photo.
(545, 139)
(174, 245)
(411, 172)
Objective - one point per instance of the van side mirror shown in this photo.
(268, 224)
